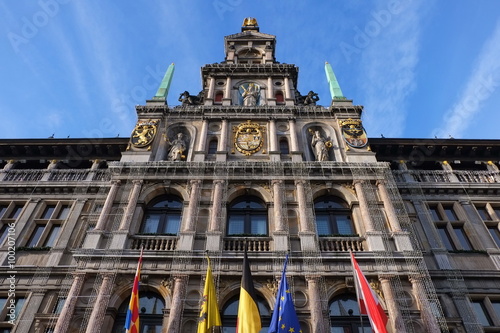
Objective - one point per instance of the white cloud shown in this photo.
(481, 84)
(388, 64)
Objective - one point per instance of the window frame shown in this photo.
(332, 214)
(488, 310)
(164, 214)
(351, 321)
(50, 216)
(452, 231)
(490, 215)
(250, 216)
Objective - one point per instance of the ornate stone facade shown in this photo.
(249, 163)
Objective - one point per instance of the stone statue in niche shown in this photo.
(188, 99)
(320, 146)
(177, 148)
(250, 92)
(310, 99)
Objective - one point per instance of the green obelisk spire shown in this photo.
(335, 90)
(162, 92)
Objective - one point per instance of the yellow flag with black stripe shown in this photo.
(248, 312)
(209, 314)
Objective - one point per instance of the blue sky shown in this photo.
(420, 68)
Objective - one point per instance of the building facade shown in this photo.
(249, 162)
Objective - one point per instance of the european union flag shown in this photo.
(284, 316)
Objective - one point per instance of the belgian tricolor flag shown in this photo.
(248, 311)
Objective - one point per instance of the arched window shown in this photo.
(333, 216)
(162, 216)
(150, 313)
(284, 148)
(229, 314)
(212, 146)
(247, 216)
(344, 315)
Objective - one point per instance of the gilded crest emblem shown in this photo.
(353, 132)
(248, 138)
(144, 133)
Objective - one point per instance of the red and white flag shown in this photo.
(368, 301)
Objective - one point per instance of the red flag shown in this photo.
(132, 320)
(368, 301)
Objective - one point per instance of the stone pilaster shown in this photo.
(227, 94)
(373, 237)
(203, 136)
(176, 307)
(315, 305)
(101, 303)
(279, 223)
(132, 203)
(430, 322)
(273, 146)
(302, 203)
(395, 319)
(389, 207)
(190, 219)
(294, 145)
(69, 305)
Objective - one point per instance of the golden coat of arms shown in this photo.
(353, 132)
(248, 137)
(144, 133)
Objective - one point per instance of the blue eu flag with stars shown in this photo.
(284, 316)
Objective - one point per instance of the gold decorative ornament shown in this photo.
(353, 133)
(144, 133)
(248, 137)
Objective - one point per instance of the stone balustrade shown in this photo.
(154, 242)
(54, 175)
(441, 176)
(258, 244)
(341, 244)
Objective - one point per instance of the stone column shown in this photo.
(270, 88)
(363, 205)
(176, 307)
(101, 303)
(132, 203)
(389, 207)
(216, 205)
(108, 204)
(227, 94)
(301, 198)
(202, 143)
(278, 205)
(430, 322)
(211, 88)
(294, 145)
(395, 319)
(190, 219)
(273, 146)
(315, 306)
(223, 136)
(31, 306)
(287, 88)
(69, 305)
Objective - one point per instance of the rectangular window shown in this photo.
(3, 209)
(52, 236)
(36, 235)
(450, 213)
(17, 310)
(48, 211)
(63, 212)
(435, 214)
(15, 212)
(59, 305)
(445, 237)
(4, 231)
(495, 234)
(483, 212)
(481, 313)
(462, 238)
